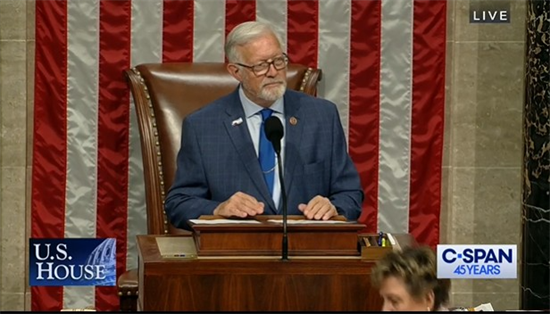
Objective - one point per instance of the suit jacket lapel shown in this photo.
(293, 137)
(243, 145)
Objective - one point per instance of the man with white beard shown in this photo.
(227, 167)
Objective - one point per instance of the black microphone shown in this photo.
(274, 133)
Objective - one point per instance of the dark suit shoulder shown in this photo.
(309, 103)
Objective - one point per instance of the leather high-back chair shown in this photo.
(164, 94)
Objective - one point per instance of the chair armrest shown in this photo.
(127, 285)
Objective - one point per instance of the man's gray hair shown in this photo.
(243, 34)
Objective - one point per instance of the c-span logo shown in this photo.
(477, 261)
(72, 262)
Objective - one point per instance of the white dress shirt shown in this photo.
(254, 122)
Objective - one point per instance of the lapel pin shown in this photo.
(237, 122)
(293, 121)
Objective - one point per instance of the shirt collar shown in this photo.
(251, 108)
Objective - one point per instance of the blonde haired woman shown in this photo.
(407, 281)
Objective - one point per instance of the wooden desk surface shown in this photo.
(261, 283)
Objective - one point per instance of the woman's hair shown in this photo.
(243, 34)
(416, 266)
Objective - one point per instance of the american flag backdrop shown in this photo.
(383, 65)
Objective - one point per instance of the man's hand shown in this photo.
(318, 208)
(240, 205)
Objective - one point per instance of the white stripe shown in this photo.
(82, 98)
(209, 31)
(395, 115)
(274, 13)
(333, 55)
(146, 46)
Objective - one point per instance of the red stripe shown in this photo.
(113, 124)
(237, 12)
(177, 31)
(364, 98)
(50, 137)
(427, 119)
(302, 32)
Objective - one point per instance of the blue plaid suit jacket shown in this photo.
(217, 159)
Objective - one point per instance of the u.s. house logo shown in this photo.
(477, 261)
(72, 262)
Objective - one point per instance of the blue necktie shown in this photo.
(267, 153)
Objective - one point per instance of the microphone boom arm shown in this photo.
(285, 210)
(274, 132)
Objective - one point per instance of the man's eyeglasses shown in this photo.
(262, 68)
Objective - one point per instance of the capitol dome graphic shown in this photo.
(105, 254)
